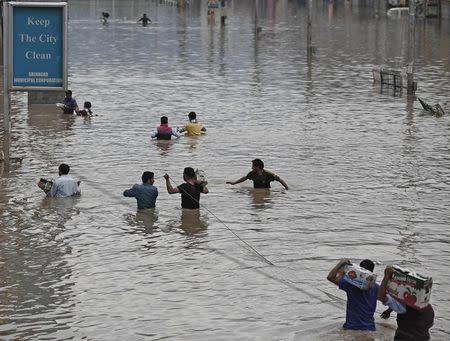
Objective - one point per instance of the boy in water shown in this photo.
(86, 111)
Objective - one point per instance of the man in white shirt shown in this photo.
(64, 185)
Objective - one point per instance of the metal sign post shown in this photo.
(6, 93)
(35, 51)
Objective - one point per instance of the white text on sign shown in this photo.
(42, 38)
(31, 21)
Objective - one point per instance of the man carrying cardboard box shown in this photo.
(413, 324)
(361, 304)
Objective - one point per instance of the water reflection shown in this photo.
(61, 206)
(15, 163)
(261, 197)
(49, 120)
(222, 51)
(192, 142)
(87, 121)
(385, 89)
(191, 222)
(143, 219)
(35, 276)
(384, 332)
(164, 146)
(57, 210)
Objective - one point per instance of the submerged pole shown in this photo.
(223, 12)
(257, 28)
(308, 32)
(411, 35)
(411, 47)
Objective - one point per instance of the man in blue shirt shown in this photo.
(70, 104)
(361, 304)
(146, 193)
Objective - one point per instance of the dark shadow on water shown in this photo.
(410, 176)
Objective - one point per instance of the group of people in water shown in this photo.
(69, 105)
(146, 193)
(191, 128)
(144, 19)
(412, 324)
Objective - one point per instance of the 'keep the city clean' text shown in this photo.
(39, 38)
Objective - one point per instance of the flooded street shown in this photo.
(368, 174)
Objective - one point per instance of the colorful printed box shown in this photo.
(410, 288)
(359, 277)
(45, 185)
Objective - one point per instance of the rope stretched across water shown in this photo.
(234, 233)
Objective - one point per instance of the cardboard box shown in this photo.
(359, 277)
(410, 288)
(45, 185)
